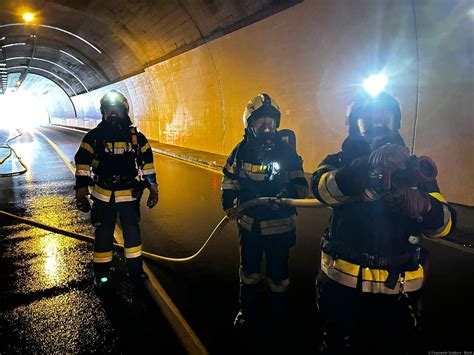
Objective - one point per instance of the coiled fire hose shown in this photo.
(10, 151)
(302, 203)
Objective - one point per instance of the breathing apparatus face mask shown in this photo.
(376, 126)
(116, 114)
(264, 130)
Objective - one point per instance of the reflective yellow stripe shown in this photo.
(133, 252)
(87, 147)
(133, 249)
(102, 257)
(102, 254)
(255, 168)
(323, 191)
(148, 166)
(249, 279)
(102, 191)
(446, 230)
(101, 194)
(278, 286)
(346, 273)
(123, 196)
(229, 168)
(330, 167)
(148, 171)
(145, 148)
(83, 167)
(438, 196)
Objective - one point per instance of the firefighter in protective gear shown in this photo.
(263, 164)
(114, 164)
(372, 259)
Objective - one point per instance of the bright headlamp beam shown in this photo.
(28, 17)
(375, 84)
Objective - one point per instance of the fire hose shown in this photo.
(10, 151)
(301, 203)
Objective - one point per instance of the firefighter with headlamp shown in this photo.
(114, 164)
(373, 262)
(264, 164)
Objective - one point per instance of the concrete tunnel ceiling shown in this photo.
(85, 45)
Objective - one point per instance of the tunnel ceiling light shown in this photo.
(46, 71)
(28, 16)
(375, 84)
(56, 64)
(14, 44)
(58, 29)
(2, 39)
(71, 56)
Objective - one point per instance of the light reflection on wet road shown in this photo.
(47, 300)
(205, 290)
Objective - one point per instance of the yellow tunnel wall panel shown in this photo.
(188, 100)
(312, 58)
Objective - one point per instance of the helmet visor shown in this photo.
(375, 117)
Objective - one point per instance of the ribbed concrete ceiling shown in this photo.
(84, 44)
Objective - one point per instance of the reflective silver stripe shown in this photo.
(123, 196)
(253, 176)
(332, 187)
(296, 174)
(249, 279)
(118, 147)
(277, 226)
(346, 274)
(339, 276)
(229, 184)
(145, 147)
(100, 196)
(447, 224)
(246, 222)
(229, 168)
(148, 171)
(323, 190)
(83, 172)
(278, 286)
(102, 257)
(379, 287)
(133, 255)
(277, 230)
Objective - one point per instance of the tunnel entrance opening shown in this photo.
(22, 110)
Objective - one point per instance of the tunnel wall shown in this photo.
(312, 59)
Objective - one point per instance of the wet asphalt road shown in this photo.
(42, 313)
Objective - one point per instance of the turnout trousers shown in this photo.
(104, 217)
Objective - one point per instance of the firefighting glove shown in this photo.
(82, 203)
(409, 201)
(233, 213)
(153, 196)
(390, 156)
(353, 179)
